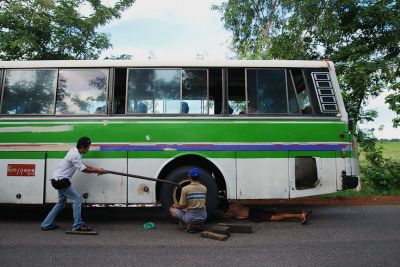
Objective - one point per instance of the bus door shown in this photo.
(105, 189)
(22, 177)
(312, 173)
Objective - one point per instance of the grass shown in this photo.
(391, 150)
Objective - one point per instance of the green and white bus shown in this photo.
(256, 129)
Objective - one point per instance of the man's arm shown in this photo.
(90, 169)
(177, 206)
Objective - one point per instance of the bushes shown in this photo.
(383, 178)
(378, 173)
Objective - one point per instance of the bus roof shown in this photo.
(165, 63)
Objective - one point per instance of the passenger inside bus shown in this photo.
(142, 108)
(185, 107)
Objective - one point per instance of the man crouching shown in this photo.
(191, 210)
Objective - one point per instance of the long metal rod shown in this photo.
(142, 177)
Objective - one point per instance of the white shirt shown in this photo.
(71, 162)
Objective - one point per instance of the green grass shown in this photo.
(391, 150)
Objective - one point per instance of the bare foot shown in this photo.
(305, 216)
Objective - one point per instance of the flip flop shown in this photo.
(307, 217)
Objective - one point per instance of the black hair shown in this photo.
(83, 142)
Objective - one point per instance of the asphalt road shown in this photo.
(336, 236)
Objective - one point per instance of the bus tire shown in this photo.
(179, 175)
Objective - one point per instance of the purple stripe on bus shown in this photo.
(279, 147)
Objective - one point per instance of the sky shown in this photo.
(189, 29)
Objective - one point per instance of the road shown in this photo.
(336, 236)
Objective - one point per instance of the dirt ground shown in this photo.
(319, 201)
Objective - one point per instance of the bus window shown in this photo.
(215, 91)
(194, 91)
(293, 101)
(236, 91)
(29, 92)
(266, 91)
(119, 91)
(302, 92)
(81, 91)
(154, 91)
(321, 91)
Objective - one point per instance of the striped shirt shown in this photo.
(193, 196)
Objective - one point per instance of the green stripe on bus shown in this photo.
(183, 132)
(22, 155)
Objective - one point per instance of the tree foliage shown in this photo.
(55, 29)
(361, 37)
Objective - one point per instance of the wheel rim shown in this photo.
(176, 193)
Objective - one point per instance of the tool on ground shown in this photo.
(143, 177)
(81, 232)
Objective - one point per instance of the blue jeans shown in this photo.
(63, 194)
(192, 216)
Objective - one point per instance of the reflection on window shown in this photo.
(266, 90)
(154, 91)
(29, 91)
(82, 91)
(293, 103)
(194, 92)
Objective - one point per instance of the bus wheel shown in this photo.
(170, 193)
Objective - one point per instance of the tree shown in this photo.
(361, 37)
(55, 29)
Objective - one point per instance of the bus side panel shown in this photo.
(262, 178)
(139, 190)
(103, 189)
(323, 180)
(22, 177)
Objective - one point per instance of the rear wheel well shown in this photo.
(197, 161)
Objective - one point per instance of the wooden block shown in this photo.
(215, 236)
(222, 230)
(81, 232)
(238, 228)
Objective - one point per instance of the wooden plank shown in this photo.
(81, 232)
(222, 230)
(207, 234)
(238, 228)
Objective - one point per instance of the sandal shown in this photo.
(83, 228)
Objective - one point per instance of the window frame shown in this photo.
(2, 87)
(247, 98)
(106, 91)
(180, 114)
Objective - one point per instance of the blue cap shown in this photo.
(194, 172)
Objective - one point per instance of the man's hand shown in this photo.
(101, 171)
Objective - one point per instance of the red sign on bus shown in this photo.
(21, 169)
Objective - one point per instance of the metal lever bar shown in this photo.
(142, 177)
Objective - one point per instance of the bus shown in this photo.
(256, 129)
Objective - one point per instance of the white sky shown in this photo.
(189, 29)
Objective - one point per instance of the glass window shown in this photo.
(236, 91)
(82, 91)
(29, 91)
(293, 102)
(194, 92)
(266, 91)
(154, 91)
(302, 92)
